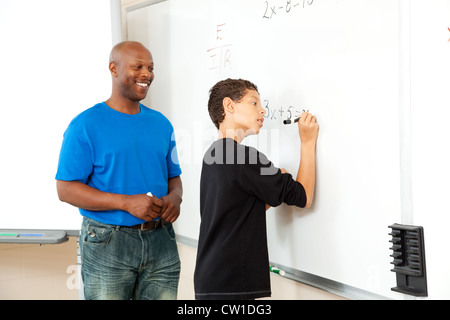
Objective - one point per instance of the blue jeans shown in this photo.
(124, 263)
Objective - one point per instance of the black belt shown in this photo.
(150, 225)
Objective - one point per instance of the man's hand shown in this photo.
(170, 210)
(144, 207)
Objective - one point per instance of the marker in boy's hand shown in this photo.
(289, 121)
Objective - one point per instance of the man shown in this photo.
(118, 164)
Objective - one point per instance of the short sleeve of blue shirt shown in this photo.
(119, 153)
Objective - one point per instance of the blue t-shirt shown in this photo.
(119, 153)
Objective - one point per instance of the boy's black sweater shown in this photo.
(236, 183)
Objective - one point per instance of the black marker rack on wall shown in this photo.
(409, 259)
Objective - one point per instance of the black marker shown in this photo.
(289, 121)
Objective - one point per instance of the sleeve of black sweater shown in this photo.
(259, 177)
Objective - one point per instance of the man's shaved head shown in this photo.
(118, 50)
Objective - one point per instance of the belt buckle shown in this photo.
(156, 225)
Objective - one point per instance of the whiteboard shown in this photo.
(338, 59)
(355, 66)
(54, 65)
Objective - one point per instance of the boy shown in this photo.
(237, 185)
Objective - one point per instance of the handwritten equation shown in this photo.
(275, 8)
(281, 113)
(220, 54)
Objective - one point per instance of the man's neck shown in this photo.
(123, 105)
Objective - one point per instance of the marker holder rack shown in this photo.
(409, 259)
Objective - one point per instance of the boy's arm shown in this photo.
(283, 170)
(308, 130)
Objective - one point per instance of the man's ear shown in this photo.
(113, 68)
(228, 105)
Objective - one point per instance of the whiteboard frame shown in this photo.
(134, 7)
(406, 196)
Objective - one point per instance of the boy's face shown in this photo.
(249, 114)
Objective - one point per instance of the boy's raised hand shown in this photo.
(308, 128)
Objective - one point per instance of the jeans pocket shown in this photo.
(170, 231)
(97, 235)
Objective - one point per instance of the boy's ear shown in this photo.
(228, 105)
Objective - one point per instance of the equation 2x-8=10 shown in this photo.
(272, 10)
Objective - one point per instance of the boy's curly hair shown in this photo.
(234, 89)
